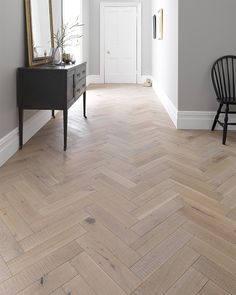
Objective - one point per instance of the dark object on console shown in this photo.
(224, 80)
(50, 88)
(154, 23)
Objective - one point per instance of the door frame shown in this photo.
(138, 5)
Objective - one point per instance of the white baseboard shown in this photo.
(200, 120)
(195, 120)
(9, 144)
(97, 79)
(143, 78)
(166, 102)
(189, 120)
(94, 79)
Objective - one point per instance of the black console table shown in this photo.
(50, 88)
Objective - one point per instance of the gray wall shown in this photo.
(95, 35)
(12, 48)
(196, 33)
(207, 30)
(165, 52)
(12, 56)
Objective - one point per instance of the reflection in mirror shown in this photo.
(57, 14)
(72, 10)
(41, 28)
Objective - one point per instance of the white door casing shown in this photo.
(120, 50)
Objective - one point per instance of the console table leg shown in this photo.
(53, 114)
(84, 104)
(65, 120)
(21, 115)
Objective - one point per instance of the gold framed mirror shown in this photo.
(39, 27)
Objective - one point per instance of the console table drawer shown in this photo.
(80, 87)
(80, 72)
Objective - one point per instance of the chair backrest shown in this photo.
(224, 78)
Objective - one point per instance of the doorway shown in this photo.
(120, 50)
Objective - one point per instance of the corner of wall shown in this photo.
(166, 102)
(9, 144)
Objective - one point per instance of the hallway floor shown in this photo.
(133, 207)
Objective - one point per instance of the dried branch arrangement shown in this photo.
(68, 34)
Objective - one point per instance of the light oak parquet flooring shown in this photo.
(134, 207)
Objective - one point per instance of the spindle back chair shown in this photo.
(224, 81)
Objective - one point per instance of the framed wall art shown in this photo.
(160, 24)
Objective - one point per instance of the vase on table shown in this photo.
(56, 56)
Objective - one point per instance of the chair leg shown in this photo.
(226, 124)
(217, 117)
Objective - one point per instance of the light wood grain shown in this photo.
(165, 276)
(133, 207)
(35, 271)
(53, 280)
(211, 289)
(78, 286)
(95, 276)
(160, 254)
(190, 283)
(222, 278)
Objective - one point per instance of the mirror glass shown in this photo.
(41, 28)
(39, 24)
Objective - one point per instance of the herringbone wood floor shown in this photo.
(133, 207)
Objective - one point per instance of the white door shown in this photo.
(120, 44)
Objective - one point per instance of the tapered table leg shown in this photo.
(84, 104)
(65, 123)
(21, 115)
(53, 114)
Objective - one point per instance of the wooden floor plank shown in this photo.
(160, 254)
(213, 254)
(96, 278)
(211, 289)
(109, 263)
(4, 270)
(152, 238)
(122, 251)
(154, 204)
(213, 240)
(9, 247)
(52, 281)
(53, 230)
(190, 283)
(111, 223)
(14, 222)
(156, 217)
(35, 271)
(78, 286)
(44, 249)
(164, 277)
(225, 280)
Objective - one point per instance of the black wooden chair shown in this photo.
(224, 81)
